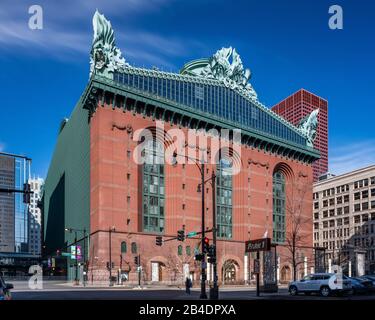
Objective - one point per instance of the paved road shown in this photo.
(71, 293)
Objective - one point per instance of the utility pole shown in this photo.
(203, 265)
(139, 270)
(75, 256)
(84, 257)
(258, 288)
(215, 294)
(110, 256)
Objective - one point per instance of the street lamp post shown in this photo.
(110, 255)
(215, 294)
(75, 256)
(84, 251)
(84, 257)
(203, 272)
(201, 168)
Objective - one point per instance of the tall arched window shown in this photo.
(278, 207)
(153, 187)
(179, 250)
(134, 247)
(123, 247)
(224, 199)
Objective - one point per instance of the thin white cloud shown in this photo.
(346, 158)
(2, 146)
(68, 32)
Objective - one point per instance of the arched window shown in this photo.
(188, 250)
(123, 247)
(179, 250)
(224, 199)
(153, 187)
(278, 207)
(134, 247)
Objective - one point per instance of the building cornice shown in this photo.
(169, 111)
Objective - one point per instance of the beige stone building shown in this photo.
(344, 220)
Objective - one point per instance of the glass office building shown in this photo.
(14, 172)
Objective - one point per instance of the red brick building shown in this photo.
(295, 108)
(95, 184)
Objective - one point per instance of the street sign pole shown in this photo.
(139, 270)
(258, 290)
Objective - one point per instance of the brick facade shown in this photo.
(116, 198)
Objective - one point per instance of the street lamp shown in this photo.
(84, 251)
(200, 165)
(214, 294)
(112, 229)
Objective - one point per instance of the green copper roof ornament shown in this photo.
(105, 57)
(309, 126)
(226, 66)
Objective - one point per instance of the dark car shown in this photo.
(361, 285)
(370, 278)
(5, 289)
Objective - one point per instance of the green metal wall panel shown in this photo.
(67, 186)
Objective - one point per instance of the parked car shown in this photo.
(361, 285)
(5, 289)
(323, 283)
(369, 278)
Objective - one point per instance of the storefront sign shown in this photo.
(263, 244)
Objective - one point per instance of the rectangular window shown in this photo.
(364, 205)
(153, 188)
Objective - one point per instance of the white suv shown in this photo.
(323, 283)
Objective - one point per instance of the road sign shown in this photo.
(191, 234)
(73, 252)
(263, 244)
(78, 252)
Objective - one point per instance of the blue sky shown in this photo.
(286, 44)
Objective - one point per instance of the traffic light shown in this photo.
(26, 193)
(136, 260)
(206, 244)
(211, 254)
(181, 235)
(159, 240)
(199, 257)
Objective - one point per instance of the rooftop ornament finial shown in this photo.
(105, 57)
(226, 66)
(309, 126)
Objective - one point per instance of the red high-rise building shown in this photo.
(294, 108)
